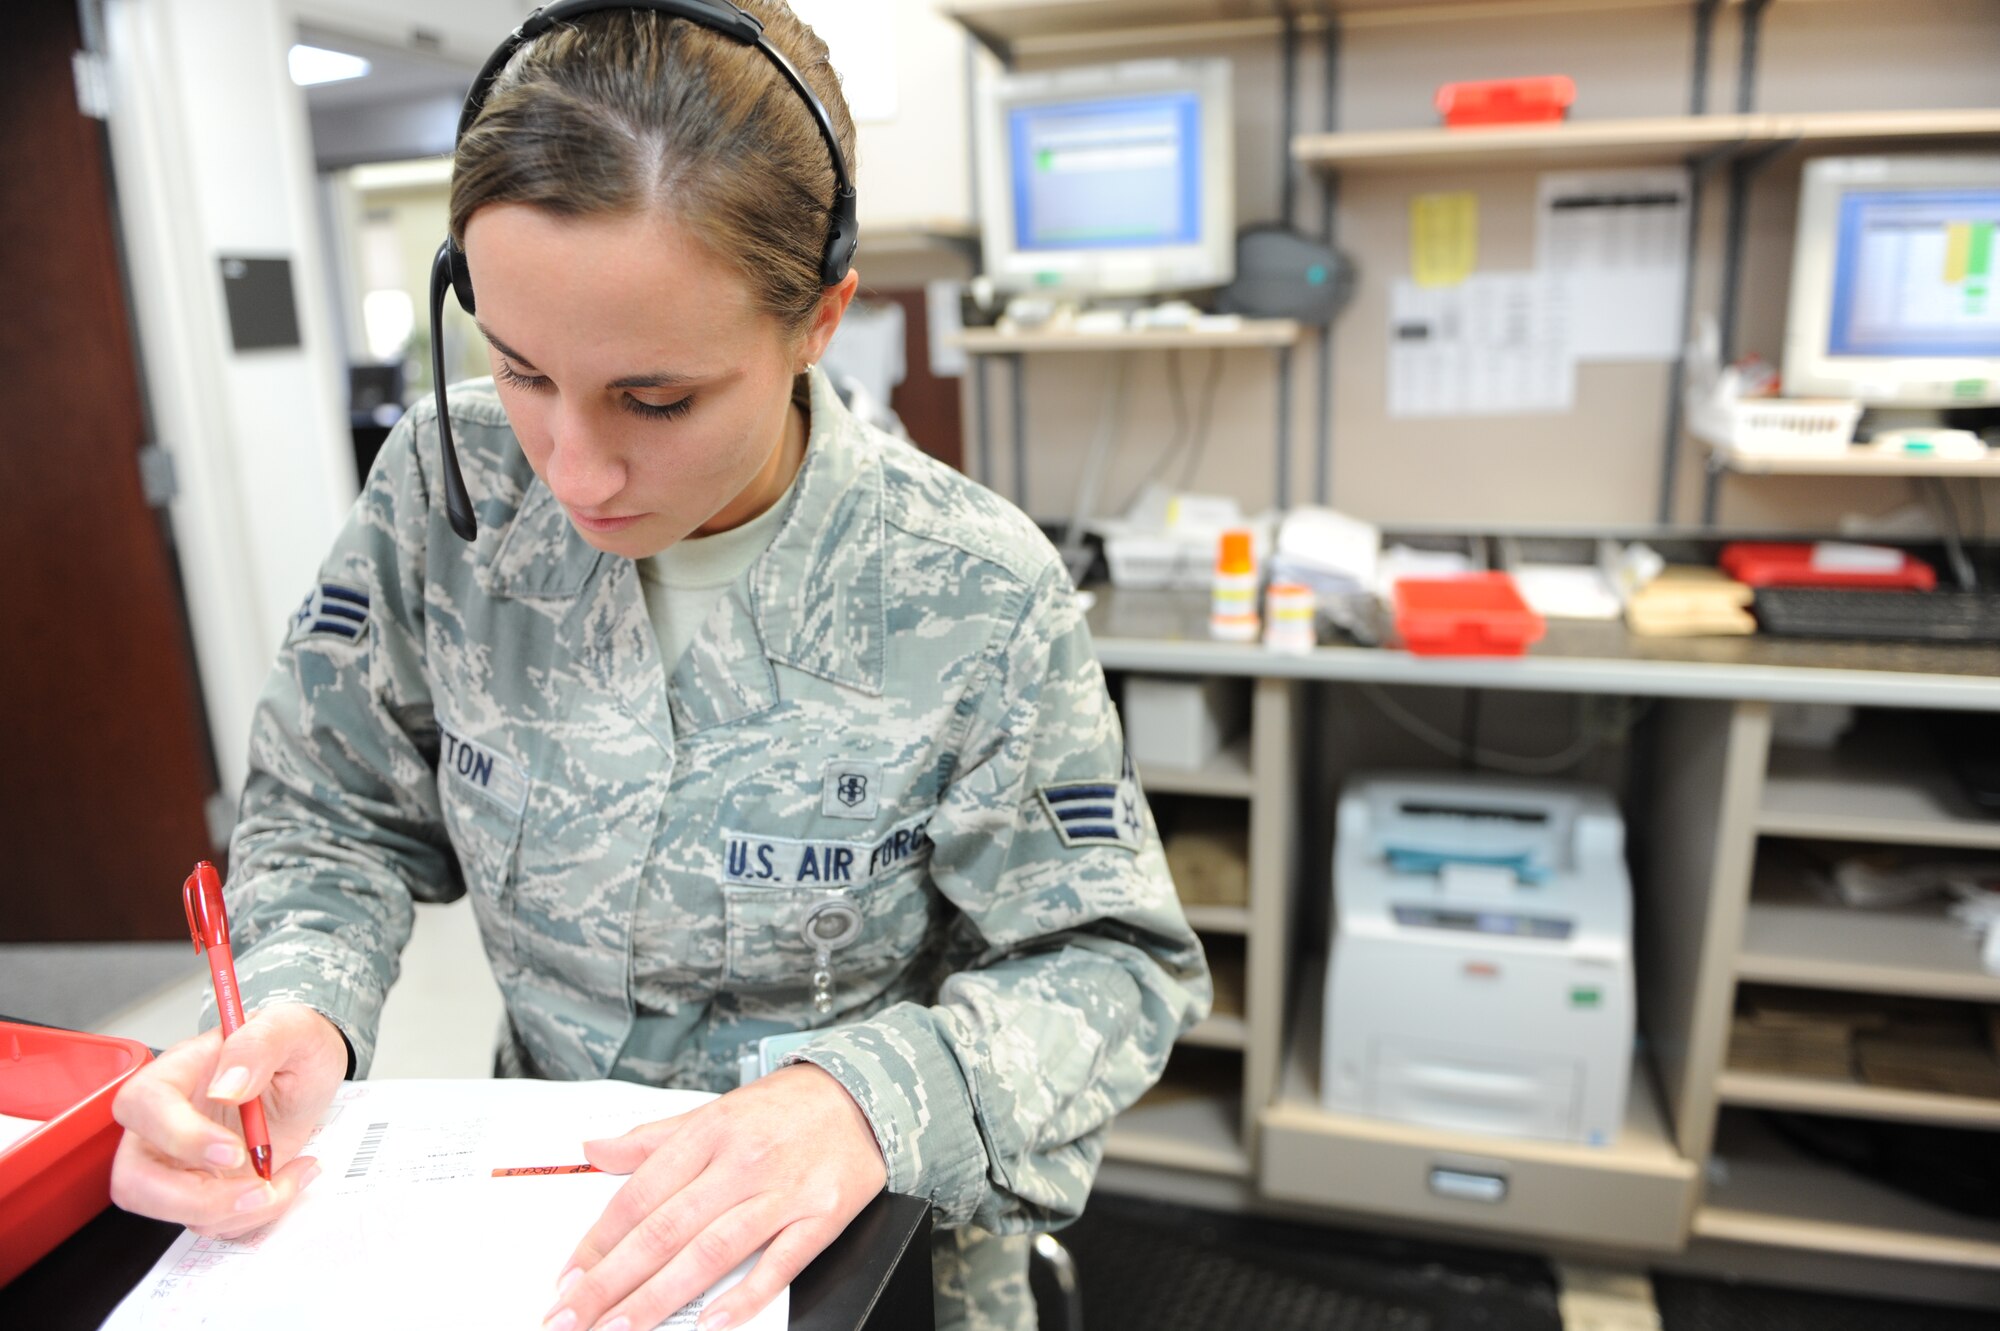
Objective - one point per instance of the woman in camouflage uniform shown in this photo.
(740, 718)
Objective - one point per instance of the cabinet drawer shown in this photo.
(1635, 1194)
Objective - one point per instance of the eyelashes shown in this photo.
(537, 383)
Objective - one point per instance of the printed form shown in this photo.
(407, 1226)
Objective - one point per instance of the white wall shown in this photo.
(211, 157)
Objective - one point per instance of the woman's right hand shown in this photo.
(182, 1157)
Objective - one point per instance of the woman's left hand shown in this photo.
(787, 1161)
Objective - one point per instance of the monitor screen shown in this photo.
(1109, 173)
(1914, 273)
(1108, 181)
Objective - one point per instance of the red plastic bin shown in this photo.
(1478, 614)
(1790, 564)
(1506, 101)
(58, 1176)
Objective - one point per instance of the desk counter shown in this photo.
(1167, 633)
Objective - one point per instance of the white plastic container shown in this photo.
(1174, 721)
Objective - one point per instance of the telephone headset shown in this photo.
(449, 270)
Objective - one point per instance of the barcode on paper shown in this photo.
(371, 1142)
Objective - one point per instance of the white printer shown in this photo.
(1481, 969)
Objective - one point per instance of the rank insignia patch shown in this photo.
(1093, 813)
(332, 610)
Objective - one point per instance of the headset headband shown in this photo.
(449, 271)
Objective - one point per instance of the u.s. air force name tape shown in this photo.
(769, 861)
(493, 774)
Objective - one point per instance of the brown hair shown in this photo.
(626, 110)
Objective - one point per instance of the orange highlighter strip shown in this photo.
(538, 1171)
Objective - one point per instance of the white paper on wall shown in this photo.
(1618, 240)
(1496, 344)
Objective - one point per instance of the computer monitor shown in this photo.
(1113, 180)
(1896, 282)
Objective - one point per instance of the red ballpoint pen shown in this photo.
(209, 923)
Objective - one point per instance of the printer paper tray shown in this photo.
(1638, 1193)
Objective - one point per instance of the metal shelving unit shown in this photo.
(1207, 1124)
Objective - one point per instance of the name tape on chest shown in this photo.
(494, 775)
(766, 861)
(1098, 813)
(331, 611)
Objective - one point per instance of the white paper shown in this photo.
(1568, 591)
(860, 37)
(1846, 557)
(1618, 240)
(406, 1225)
(13, 1129)
(1496, 344)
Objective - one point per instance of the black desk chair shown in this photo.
(1052, 1280)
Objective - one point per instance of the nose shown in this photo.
(584, 471)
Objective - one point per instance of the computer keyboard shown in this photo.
(1896, 616)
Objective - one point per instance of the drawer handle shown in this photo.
(1468, 1187)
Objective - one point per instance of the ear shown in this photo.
(833, 303)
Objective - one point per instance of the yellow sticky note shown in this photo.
(1444, 238)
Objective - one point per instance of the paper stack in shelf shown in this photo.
(1209, 858)
(1938, 1050)
(1688, 600)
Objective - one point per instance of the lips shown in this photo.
(603, 524)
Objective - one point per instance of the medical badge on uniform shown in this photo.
(851, 789)
(333, 611)
(1098, 813)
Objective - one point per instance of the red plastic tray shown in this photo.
(1479, 614)
(1506, 101)
(59, 1175)
(1789, 564)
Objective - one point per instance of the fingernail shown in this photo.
(306, 1178)
(569, 1277)
(616, 1324)
(230, 1084)
(223, 1154)
(562, 1321)
(716, 1319)
(253, 1199)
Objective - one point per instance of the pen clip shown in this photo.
(201, 894)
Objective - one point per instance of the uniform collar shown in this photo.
(816, 596)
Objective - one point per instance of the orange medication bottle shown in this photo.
(1232, 614)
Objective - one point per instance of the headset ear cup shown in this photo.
(841, 238)
(461, 277)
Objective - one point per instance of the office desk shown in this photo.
(875, 1277)
(1714, 812)
(1167, 633)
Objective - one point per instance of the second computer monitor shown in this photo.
(1896, 282)
(1109, 181)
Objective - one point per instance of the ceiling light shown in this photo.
(316, 64)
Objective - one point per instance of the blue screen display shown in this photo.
(1914, 272)
(1109, 173)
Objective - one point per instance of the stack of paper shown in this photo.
(1686, 600)
(408, 1225)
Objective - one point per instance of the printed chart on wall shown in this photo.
(1618, 241)
(1493, 344)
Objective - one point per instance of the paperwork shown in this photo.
(406, 1225)
(1618, 239)
(1494, 344)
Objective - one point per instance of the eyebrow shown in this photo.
(657, 379)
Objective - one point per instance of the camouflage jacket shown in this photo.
(897, 709)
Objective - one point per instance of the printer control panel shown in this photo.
(1506, 924)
